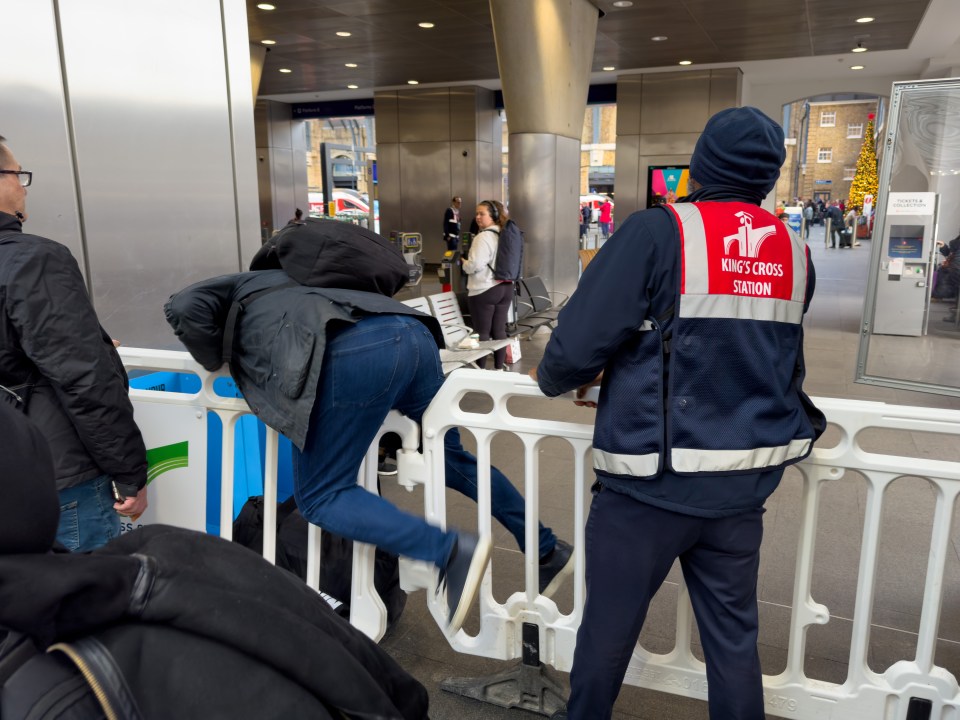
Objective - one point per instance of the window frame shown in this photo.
(824, 155)
(828, 114)
(859, 134)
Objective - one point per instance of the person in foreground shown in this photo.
(164, 622)
(59, 366)
(324, 366)
(701, 408)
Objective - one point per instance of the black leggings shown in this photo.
(488, 313)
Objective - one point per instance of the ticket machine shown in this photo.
(906, 264)
(411, 245)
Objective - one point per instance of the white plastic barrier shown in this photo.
(865, 695)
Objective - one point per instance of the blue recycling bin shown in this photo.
(249, 447)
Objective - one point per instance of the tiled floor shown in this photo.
(832, 334)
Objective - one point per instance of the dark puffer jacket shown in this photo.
(58, 358)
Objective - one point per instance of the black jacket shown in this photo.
(203, 628)
(280, 337)
(50, 339)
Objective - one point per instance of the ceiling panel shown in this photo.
(390, 48)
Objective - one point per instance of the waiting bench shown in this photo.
(536, 306)
(454, 331)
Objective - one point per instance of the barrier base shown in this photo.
(523, 686)
(526, 685)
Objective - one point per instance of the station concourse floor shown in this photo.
(831, 342)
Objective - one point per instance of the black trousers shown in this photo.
(630, 548)
(488, 313)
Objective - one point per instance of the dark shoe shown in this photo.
(387, 467)
(462, 575)
(555, 568)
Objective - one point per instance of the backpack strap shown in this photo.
(15, 649)
(236, 309)
(497, 233)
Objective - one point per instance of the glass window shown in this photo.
(849, 172)
(825, 155)
(854, 130)
(828, 119)
(910, 337)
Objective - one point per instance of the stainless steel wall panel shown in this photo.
(387, 114)
(675, 102)
(425, 186)
(488, 178)
(153, 153)
(261, 123)
(239, 55)
(279, 117)
(627, 180)
(463, 173)
(282, 184)
(33, 119)
(389, 190)
(629, 102)
(424, 114)
(668, 144)
(463, 114)
(726, 87)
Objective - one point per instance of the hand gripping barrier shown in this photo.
(914, 688)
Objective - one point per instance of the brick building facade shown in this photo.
(824, 141)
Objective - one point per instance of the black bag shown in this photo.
(508, 264)
(334, 254)
(336, 556)
(44, 686)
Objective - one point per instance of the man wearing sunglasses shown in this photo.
(59, 366)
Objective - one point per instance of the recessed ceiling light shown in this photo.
(286, 70)
(413, 82)
(349, 64)
(425, 25)
(859, 48)
(353, 87)
(864, 19)
(343, 33)
(268, 42)
(686, 62)
(608, 68)
(267, 6)
(659, 38)
(623, 3)
(856, 67)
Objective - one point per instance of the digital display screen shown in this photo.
(906, 241)
(665, 184)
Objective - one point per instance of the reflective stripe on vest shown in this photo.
(690, 461)
(739, 271)
(619, 464)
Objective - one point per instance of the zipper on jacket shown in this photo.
(89, 676)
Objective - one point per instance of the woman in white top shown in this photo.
(488, 299)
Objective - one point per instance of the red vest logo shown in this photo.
(743, 259)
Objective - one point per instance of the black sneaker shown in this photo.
(555, 567)
(462, 575)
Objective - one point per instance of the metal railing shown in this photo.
(914, 682)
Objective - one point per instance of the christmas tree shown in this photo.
(865, 179)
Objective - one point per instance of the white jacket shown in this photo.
(483, 254)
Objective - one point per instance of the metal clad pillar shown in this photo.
(545, 53)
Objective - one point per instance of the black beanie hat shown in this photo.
(739, 147)
(29, 508)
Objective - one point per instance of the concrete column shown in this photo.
(545, 53)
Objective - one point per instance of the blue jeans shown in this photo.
(381, 363)
(87, 517)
